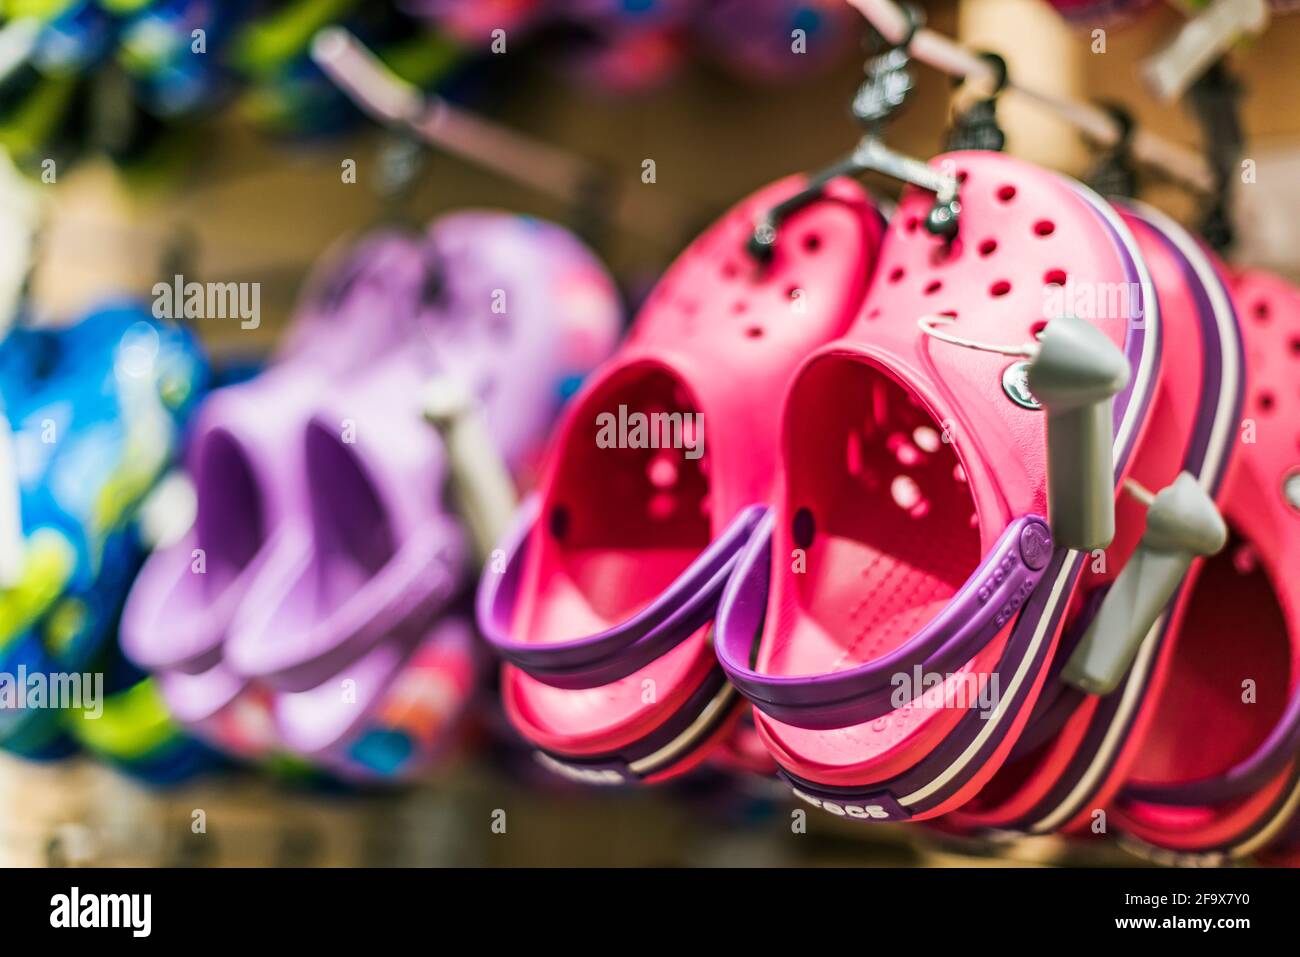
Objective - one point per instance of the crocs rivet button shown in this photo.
(1035, 545)
(1015, 383)
(1291, 489)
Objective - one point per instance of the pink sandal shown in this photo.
(602, 603)
(1216, 773)
(1079, 747)
(905, 596)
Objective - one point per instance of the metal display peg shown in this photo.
(882, 93)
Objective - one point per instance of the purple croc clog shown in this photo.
(245, 460)
(370, 550)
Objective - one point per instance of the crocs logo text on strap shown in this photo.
(1019, 569)
(1012, 605)
(886, 810)
(997, 577)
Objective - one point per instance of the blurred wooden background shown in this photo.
(256, 210)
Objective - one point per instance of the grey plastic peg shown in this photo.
(1075, 374)
(480, 481)
(1182, 524)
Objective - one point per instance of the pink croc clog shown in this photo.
(660, 471)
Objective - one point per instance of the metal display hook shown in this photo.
(975, 125)
(948, 56)
(885, 89)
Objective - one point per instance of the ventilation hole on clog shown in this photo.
(1055, 277)
(896, 274)
(662, 505)
(1037, 328)
(988, 247)
(907, 454)
(913, 224)
(730, 270)
(904, 491)
(1266, 401)
(932, 287)
(1000, 288)
(962, 176)
(1295, 345)
(1007, 193)
(662, 470)
(754, 332)
(812, 242)
(873, 314)
(739, 306)
(559, 523)
(926, 438)
(1044, 227)
(907, 496)
(802, 528)
(1261, 310)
